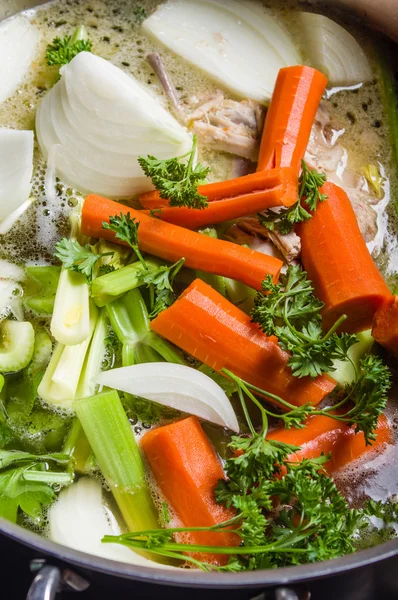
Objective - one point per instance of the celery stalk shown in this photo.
(17, 341)
(41, 288)
(215, 281)
(94, 358)
(109, 433)
(78, 446)
(70, 323)
(240, 294)
(61, 379)
(111, 286)
(129, 318)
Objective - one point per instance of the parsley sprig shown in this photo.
(76, 257)
(125, 228)
(62, 50)
(177, 179)
(283, 221)
(291, 311)
(160, 283)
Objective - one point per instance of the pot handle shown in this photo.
(50, 580)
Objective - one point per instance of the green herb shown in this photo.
(160, 283)
(76, 257)
(126, 230)
(290, 311)
(146, 411)
(225, 383)
(284, 220)
(139, 13)
(62, 50)
(176, 179)
(26, 482)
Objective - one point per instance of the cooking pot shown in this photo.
(366, 575)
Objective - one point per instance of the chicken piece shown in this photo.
(155, 60)
(202, 110)
(233, 140)
(289, 245)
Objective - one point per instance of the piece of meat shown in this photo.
(202, 110)
(289, 245)
(233, 140)
(155, 60)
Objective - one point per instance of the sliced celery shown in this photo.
(70, 323)
(129, 318)
(17, 341)
(60, 381)
(94, 358)
(107, 288)
(239, 294)
(42, 351)
(110, 436)
(41, 288)
(78, 446)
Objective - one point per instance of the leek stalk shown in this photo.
(110, 436)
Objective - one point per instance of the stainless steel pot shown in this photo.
(366, 575)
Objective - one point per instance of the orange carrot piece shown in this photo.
(214, 331)
(298, 91)
(336, 258)
(171, 243)
(385, 325)
(240, 186)
(222, 210)
(325, 435)
(187, 469)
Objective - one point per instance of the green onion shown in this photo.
(110, 436)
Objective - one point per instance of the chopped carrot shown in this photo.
(385, 325)
(328, 436)
(336, 258)
(214, 331)
(187, 469)
(171, 243)
(238, 187)
(295, 101)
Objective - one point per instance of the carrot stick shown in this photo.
(213, 330)
(240, 186)
(385, 325)
(298, 91)
(172, 243)
(339, 264)
(222, 210)
(187, 469)
(325, 435)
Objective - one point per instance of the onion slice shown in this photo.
(79, 520)
(333, 50)
(18, 46)
(16, 160)
(99, 120)
(176, 386)
(237, 43)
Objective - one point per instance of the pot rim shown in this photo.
(196, 578)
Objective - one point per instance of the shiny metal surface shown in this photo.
(361, 567)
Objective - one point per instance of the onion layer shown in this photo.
(177, 386)
(101, 120)
(18, 45)
(16, 160)
(236, 42)
(333, 50)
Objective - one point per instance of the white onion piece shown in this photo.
(16, 167)
(79, 520)
(177, 386)
(100, 120)
(10, 270)
(236, 42)
(18, 45)
(333, 50)
(14, 217)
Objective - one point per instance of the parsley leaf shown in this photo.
(126, 230)
(177, 180)
(291, 311)
(139, 13)
(160, 283)
(78, 258)
(283, 221)
(62, 50)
